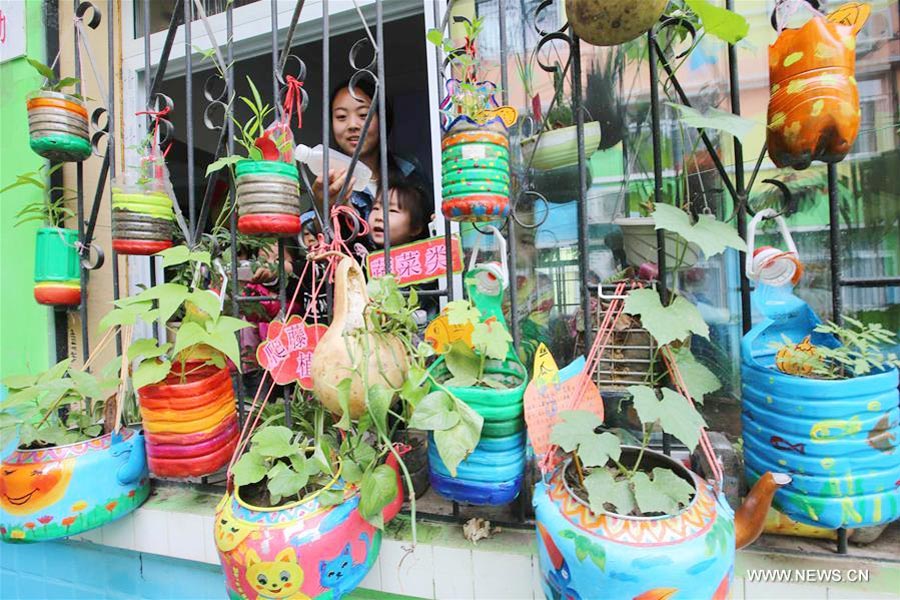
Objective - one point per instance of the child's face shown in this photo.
(400, 222)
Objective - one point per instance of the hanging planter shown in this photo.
(612, 22)
(559, 147)
(814, 104)
(268, 197)
(475, 171)
(142, 220)
(58, 126)
(190, 421)
(57, 275)
(640, 242)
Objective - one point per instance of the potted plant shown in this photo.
(266, 180)
(184, 388)
(475, 144)
(73, 468)
(608, 22)
(57, 269)
(57, 121)
(640, 241)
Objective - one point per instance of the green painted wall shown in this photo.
(24, 324)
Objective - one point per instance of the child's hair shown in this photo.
(413, 197)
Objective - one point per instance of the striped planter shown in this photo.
(57, 274)
(141, 221)
(268, 197)
(191, 425)
(475, 171)
(58, 126)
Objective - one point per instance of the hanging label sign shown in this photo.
(417, 262)
(553, 390)
(287, 351)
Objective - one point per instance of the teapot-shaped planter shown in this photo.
(581, 552)
(300, 550)
(55, 492)
(349, 346)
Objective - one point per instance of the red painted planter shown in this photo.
(269, 224)
(140, 247)
(187, 439)
(57, 295)
(193, 450)
(193, 466)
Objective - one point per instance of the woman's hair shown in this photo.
(365, 86)
(412, 197)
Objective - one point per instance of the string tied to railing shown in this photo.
(293, 101)
(155, 155)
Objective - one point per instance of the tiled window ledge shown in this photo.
(178, 522)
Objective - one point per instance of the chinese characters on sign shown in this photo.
(12, 29)
(417, 262)
(287, 351)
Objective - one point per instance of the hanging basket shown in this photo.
(475, 171)
(56, 492)
(814, 104)
(492, 474)
(640, 241)
(58, 126)
(57, 275)
(142, 220)
(191, 425)
(268, 197)
(612, 22)
(559, 147)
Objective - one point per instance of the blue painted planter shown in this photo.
(491, 475)
(837, 439)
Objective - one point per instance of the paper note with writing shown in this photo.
(287, 351)
(417, 262)
(547, 395)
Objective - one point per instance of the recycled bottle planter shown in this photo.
(492, 474)
(300, 550)
(57, 276)
(475, 172)
(142, 220)
(58, 126)
(268, 197)
(814, 104)
(690, 553)
(191, 425)
(838, 438)
(55, 492)
(559, 147)
(611, 22)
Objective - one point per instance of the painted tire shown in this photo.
(61, 147)
(58, 293)
(139, 247)
(269, 224)
(189, 415)
(207, 446)
(266, 167)
(197, 466)
(268, 197)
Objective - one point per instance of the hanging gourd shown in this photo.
(611, 22)
(814, 101)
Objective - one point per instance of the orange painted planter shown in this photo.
(192, 414)
(814, 103)
(56, 103)
(192, 426)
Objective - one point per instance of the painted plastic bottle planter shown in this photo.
(838, 439)
(142, 220)
(298, 551)
(268, 197)
(57, 276)
(688, 554)
(191, 425)
(58, 126)
(814, 104)
(56, 492)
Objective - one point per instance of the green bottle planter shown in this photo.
(268, 197)
(57, 275)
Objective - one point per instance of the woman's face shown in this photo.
(400, 222)
(347, 118)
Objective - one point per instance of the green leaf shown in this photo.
(603, 489)
(713, 118)
(456, 443)
(65, 82)
(343, 393)
(463, 363)
(436, 412)
(666, 324)
(710, 235)
(350, 471)
(42, 69)
(150, 371)
(127, 315)
(460, 312)
(148, 348)
(55, 372)
(722, 23)
(585, 548)
(379, 401)
(225, 161)
(377, 490)
(87, 385)
(674, 413)
(697, 377)
(188, 335)
(435, 36)
(492, 339)
(284, 481)
(226, 343)
(18, 382)
(206, 301)
(274, 441)
(330, 498)
(176, 255)
(575, 432)
(250, 468)
(665, 493)
(416, 385)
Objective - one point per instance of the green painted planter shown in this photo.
(58, 126)
(57, 275)
(268, 197)
(503, 410)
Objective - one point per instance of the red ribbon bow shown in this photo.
(293, 99)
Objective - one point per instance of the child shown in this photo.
(408, 215)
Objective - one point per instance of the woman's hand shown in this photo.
(335, 183)
(269, 256)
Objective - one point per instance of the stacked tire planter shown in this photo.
(268, 197)
(58, 126)
(475, 171)
(190, 423)
(141, 220)
(492, 474)
(57, 275)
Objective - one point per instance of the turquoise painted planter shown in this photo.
(586, 555)
(57, 275)
(837, 439)
(56, 492)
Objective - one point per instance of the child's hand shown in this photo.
(335, 183)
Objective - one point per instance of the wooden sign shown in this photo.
(417, 262)
(553, 390)
(287, 351)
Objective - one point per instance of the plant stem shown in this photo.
(644, 443)
(578, 469)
